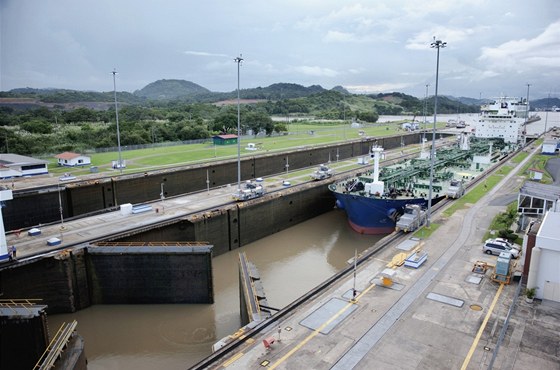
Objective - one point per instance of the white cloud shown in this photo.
(542, 51)
(452, 36)
(376, 88)
(204, 54)
(324, 42)
(316, 71)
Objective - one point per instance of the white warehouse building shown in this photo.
(544, 270)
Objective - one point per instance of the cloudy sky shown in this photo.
(494, 47)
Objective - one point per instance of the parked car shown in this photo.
(504, 242)
(493, 247)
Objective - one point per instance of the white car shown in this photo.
(504, 242)
(492, 247)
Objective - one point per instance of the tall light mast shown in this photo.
(437, 44)
(120, 164)
(238, 60)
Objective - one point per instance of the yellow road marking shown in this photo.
(318, 330)
(481, 329)
(232, 360)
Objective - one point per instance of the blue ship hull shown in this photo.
(372, 216)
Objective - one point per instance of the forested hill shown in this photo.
(170, 90)
(165, 91)
(336, 103)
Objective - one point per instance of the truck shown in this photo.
(323, 172)
(412, 218)
(455, 190)
(250, 190)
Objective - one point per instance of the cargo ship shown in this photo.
(375, 200)
(504, 118)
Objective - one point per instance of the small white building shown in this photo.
(15, 165)
(536, 174)
(544, 269)
(549, 147)
(70, 159)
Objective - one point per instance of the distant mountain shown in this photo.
(341, 90)
(280, 91)
(467, 101)
(170, 90)
(545, 103)
(65, 96)
(164, 91)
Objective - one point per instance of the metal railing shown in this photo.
(25, 303)
(56, 346)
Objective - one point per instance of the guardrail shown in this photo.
(56, 346)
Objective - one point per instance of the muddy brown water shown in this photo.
(177, 336)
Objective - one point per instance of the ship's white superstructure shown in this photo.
(503, 118)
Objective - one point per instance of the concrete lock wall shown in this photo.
(75, 280)
(60, 282)
(266, 216)
(238, 224)
(23, 340)
(30, 208)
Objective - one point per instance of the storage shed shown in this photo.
(15, 165)
(225, 139)
(70, 159)
(536, 174)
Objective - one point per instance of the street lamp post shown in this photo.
(437, 44)
(117, 118)
(238, 60)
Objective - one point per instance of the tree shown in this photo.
(81, 115)
(258, 121)
(37, 126)
(367, 116)
(225, 122)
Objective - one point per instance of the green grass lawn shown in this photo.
(302, 135)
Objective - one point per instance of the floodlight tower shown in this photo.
(436, 44)
(238, 60)
(526, 115)
(117, 118)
